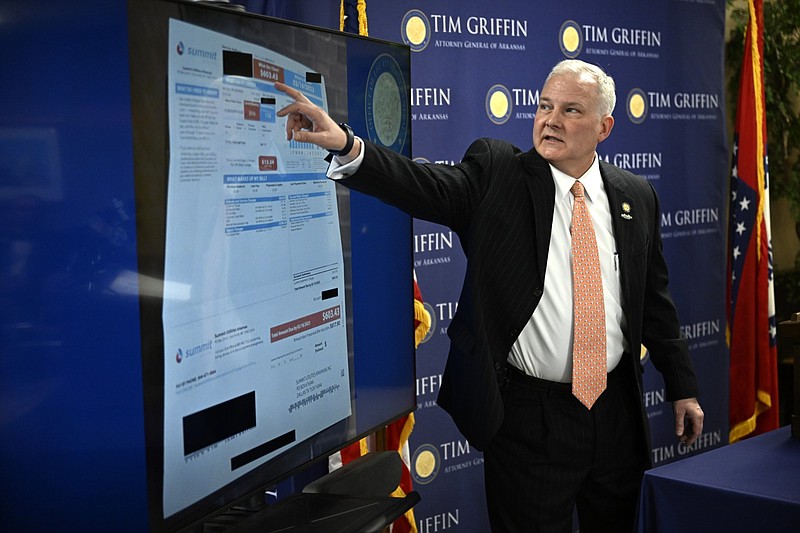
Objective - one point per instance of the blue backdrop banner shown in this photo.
(477, 69)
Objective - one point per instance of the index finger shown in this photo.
(306, 109)
(291, 92)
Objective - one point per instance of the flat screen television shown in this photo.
(276, 307)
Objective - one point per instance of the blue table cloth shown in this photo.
(750, 486)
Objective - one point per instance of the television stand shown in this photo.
(328, 513)
(352, 499)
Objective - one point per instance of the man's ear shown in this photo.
(606, 125)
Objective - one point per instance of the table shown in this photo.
(752, 485)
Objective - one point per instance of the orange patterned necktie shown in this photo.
(589, 336)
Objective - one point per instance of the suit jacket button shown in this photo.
(498, 365)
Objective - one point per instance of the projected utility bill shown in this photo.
(254, 310)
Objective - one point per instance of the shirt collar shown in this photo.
(592, 181)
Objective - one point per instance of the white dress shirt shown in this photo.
(544, 348)
(336, 170)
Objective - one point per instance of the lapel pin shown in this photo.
(626, 211)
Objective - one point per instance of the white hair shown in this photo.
(606, 89)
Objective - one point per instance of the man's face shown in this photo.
(568, 125)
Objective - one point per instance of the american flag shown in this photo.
(751, 330)
(353, 16)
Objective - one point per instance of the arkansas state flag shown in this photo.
(751, 311)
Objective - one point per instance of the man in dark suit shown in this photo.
(508, 378)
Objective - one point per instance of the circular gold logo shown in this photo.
(425, 464)
(416, 30)
(429, 308)
(570, 40)
(498, 104)
(637, 106)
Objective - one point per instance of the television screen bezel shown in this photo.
(148, 28)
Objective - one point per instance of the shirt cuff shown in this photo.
(337, 171)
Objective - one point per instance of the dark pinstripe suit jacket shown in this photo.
(500, 202)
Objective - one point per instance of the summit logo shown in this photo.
(182, 355)
(182, 49)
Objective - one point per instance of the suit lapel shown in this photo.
(542, 191)
(622, 209)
